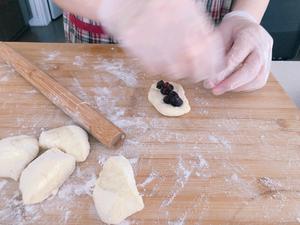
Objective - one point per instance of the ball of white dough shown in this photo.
(43, 176)
(15, 153)
(115, 195)
(156, 99)
(70, 139)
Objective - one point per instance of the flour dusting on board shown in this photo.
(118, 68)
(80, 184)
(6, 72)
(270, 183)
(49, 56)
(180, 221)
(84, 184)
(128, 222)
(182, 175)
(80, 91)
(220, 140)
(78, 61)
(152, 176)
(202, 104)
(107, 103)
(201, 167)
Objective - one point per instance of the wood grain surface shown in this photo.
(233, 159)
(87, 117)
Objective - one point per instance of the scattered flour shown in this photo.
(180, 221)
(80, 91)
(201, 101)
(231, 125)
(201, 162)
(133, 161)
(200, 165)
(107, 103)
(102, 159)
(270, 183)
(182, 175)
(236, 185)
(67, 216)
(84, 184)
(6, 72)
(4, 78)
(125, 222)
(152, 176)
(234, 177)
(48, 66)
(131, 123)
(63, 204)
(78, 61)
(51, 55)
(220, 140)
(15, 211)
(117, 68)
(33, 91)
(128, 222)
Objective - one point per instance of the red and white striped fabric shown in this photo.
(82, 30)
(217, 8)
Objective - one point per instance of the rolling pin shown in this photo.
(93, 121)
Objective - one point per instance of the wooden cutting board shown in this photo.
(233, 159)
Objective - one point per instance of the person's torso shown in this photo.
(82, 30)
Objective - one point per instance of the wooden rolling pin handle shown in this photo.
(93, 121)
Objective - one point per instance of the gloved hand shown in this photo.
(172, 38)
(248, 48)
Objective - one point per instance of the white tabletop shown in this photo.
(288, 75)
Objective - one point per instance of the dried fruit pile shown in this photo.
(171, 96)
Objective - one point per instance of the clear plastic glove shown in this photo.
(248, 57)
(175, 38)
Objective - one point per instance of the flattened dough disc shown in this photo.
(156, 99)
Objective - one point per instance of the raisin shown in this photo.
(173, 99)
(160, 84)
(167, 99)
(173, 94)
(170, 86)
(176, 101)
(165, 90)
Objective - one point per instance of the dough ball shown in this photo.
(43, 176)
(115, 195)
(15, 153)
(70, 139)
(156, 99)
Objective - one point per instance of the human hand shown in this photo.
(248, 57)
(174, 38)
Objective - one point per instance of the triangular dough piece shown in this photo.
(115, 195)
(70, 139)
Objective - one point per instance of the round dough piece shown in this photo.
(115, 195)
(70, 139)
(44, 175)
(15, 153)
(156, 99)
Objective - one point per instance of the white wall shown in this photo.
(288, 75)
